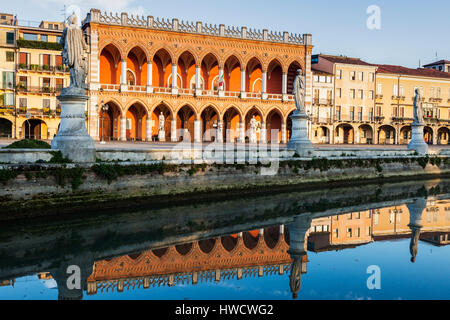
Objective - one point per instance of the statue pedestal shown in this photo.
(299, 140)
(162, 135)
(73, 139)
(417, 141)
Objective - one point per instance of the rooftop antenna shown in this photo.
(63, 13)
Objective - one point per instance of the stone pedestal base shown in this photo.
(299, 140)
(73, 139)
(417, 141)
(162, 135)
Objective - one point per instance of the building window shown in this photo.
(30, 36)
(361, 76)
(352, 75)
(10, 38)
(23, 102)
(379, 88)
(9, 56)
(371, 94)
(338, 92)
(349, 232)
(361, 94)
(44, 37)
(316, 78)
(8, 80)
(372, 77)
(8, 99)
(339, 74)
(335, 233)
(352, 93)
(58, 39)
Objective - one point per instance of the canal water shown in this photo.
(373, 241)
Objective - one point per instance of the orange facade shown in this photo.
(224, 78)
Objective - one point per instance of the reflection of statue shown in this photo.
(295, 276)
(415, 234)
(75, 54)
(418, 112)
(162, 120)
(299, 92)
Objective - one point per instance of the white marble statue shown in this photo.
(74, 55)
(162, 121)
(254, 124)
(417, 108)
(299, 92)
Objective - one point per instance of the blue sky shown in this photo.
(410, 29)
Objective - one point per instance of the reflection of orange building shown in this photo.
(224, 77)
(394, 220)
(247, 254)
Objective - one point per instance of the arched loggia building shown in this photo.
(135, 66)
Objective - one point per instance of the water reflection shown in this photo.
(211, 251)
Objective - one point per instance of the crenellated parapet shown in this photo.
(149, 22)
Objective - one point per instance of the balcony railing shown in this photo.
(402, 119)
(39, 90)
(7, 109)
(327, 120)
(349, 118)
(109, 87)
(398, 97)
(42, 68)
(325, 102)
(202, 92)
(137, 88)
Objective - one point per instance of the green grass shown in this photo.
(28, 144)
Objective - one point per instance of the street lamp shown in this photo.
(104, 108)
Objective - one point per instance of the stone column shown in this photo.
(72, 139)
(123, 128)
(219, 137)
(283, 133)
(197, 131)
(173, 130)
(284, 85)
(198, 90)
(264, 85)
(221, 91)
(435, 136)
(241, 132)
(149, 77)
(123, 76)
(174, 79)
(149, 126)
(263, 134)
(243, 83)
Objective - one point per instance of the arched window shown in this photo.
(131, 78)
(202, 83)
(180, 81)
(215, 84)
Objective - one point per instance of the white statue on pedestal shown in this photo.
(162, 121)
(298, 91)
(254, 125)
(161, 131)
(72, 139)
(417, 108)
(74, 55)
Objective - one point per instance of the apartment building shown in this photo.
(8, 52)
(353, 98)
